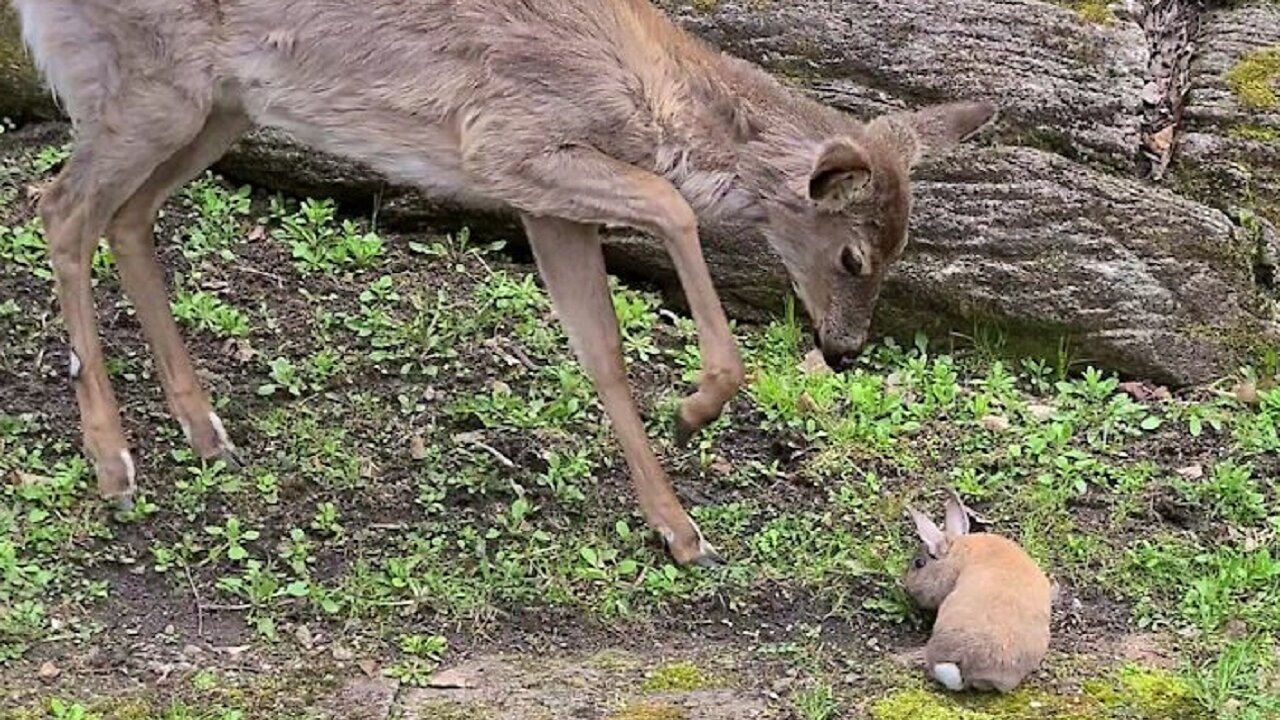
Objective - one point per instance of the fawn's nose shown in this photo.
(839, 360)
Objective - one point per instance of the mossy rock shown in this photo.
(1255, 79)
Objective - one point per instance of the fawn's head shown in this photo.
(841, 219)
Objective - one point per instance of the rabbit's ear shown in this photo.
(957, 515)
(933, 538)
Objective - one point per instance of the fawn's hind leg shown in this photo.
(130, 234)
(112, 158)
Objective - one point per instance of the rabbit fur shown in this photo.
(992, 602)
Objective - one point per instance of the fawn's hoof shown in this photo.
(209, 439)
(684, 432)
(116, 477)
(695, 551)
(234, 458)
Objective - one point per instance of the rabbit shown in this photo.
(993, 603)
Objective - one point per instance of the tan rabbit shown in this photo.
(992, 602)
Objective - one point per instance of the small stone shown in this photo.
(342, 653)
(303, 635)
(192, 651)
(257, 233)
(369, 667)
(814, 364)
(995, 423)
(501, 388)
(417, 447)
(720, 466)
(1041, 412)
(48, 671)
(1191, 472)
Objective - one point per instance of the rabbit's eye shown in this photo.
(918, 563)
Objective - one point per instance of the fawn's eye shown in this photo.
(918, 563)
(851, 262)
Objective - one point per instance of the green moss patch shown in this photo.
(678, 677)
(649, 711)
(1131, 694)
(1095, 11)
(1255, 79)
(1254, 133)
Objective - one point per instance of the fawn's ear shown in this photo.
(957, 515)
(935, 541)
(933, 129)
(840, 176)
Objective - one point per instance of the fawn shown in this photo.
(574, 113)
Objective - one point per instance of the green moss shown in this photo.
(1133, 693)
(649, 711)
(1255, 79)
(681, 677)
(1095, 11)
(1255, 133)
(1149, 694)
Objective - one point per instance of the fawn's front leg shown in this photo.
(592, 188)
(572, 266)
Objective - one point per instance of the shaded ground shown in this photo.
(434, 497)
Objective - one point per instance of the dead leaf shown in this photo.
(1161, 141)
(720, 466)
(48, 671)
(1247, 392)
(368, 469)
(30, 479)
(369, 667)
(805, 404)
(257, 233)
(1143, 391)
(1191, 472)
(1041, 412)
(995, 423)
(814, 364)
(470, 437)
(417, 447)
(453, 678)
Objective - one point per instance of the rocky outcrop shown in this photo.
(1050, 231)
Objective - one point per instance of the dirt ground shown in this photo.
(435, 522)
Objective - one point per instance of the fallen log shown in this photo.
(1052, 233)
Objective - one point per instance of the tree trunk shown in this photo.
(1126, 204)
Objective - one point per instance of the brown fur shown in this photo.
(992, 602)
(576, 113)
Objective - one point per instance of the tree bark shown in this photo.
(1049, 234)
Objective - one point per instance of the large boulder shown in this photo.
(1050, 233)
